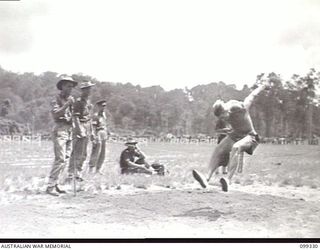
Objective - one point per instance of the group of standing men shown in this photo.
(74, 127)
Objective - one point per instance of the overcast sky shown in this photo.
(172, 43)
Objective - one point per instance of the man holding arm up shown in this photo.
(243, 137)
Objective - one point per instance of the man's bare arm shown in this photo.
(250, 98)
(142, 154)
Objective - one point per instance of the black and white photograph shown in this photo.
(160, 120)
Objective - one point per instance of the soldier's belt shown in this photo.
(64, 121)
(100, 128)
(84, 120)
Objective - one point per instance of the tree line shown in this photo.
(290, 108)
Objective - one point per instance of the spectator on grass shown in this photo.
(61, 110)
(100, 136)
(133, 161)
(243, 137)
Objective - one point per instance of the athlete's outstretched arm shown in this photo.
(249, 99)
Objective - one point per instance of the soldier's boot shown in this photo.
(79, 179)
(60, 191)
(71, 176)
(99, 172)
(51, 191)
(224, 184)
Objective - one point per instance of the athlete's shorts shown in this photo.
(248, 143)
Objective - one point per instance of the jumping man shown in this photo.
(243, 137)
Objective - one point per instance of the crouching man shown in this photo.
(133, 161)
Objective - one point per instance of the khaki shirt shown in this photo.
(61, 116)
(99, 121)
(82, 109)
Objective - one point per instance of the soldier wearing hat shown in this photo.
(133, 161)
(61, 110)
(100, 132)
(82, 130)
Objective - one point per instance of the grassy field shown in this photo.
(277, 195)
(25, 167)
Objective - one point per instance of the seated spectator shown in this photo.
(133, 161)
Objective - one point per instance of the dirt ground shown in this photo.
(245, 211)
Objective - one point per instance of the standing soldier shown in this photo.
(100, 131)
(82, 131)
(61, 110)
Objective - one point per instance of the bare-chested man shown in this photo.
(243, 137)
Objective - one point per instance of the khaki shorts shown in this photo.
(248, 143)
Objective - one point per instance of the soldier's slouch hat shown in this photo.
(102, 102)
(84, 85)
(130, 141)
(65, 80)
